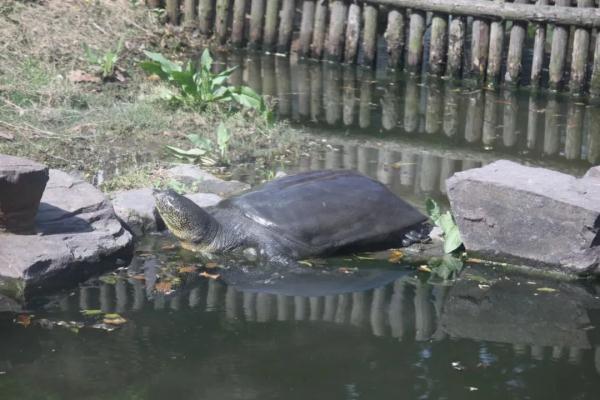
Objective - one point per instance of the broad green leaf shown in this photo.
(152, 67)
(91, 313)
(452, 240)
(433, 210)
(446, 267)
(192, 153)
(167, 65)
(200, 142)
(206, 60)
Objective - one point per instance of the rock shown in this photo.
(199, 180)
(22, 183)
(204, 199)
(136, 209)
(78, 236)
(593, 174)
(528, 215)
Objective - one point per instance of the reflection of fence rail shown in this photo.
(461, 124)
(404, 309)
(482, 38)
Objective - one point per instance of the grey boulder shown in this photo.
(528, 215)
(77, 236)
(199, 180)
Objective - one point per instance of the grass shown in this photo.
(113, 133)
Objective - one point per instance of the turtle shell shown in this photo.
(329, 210)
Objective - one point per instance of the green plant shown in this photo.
(107, 62)
(446, 267)
(205, 147)
(198, 87)
(445, 221)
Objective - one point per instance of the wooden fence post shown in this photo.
(319, 30)
(394, 36)
(480, 40)
(538, 49)
(237, 25)
(335, 35)
(172, 9)
(515, 50)
(456, 45)
(221, 20)
(352, 34)
(205, 16)
(306, 27)
(257, 15)
(286, 25)
(595, 80)
(271, 17)
(415, 41)
(370, 34)
(581, 44)
(495, 51)
(189, 12)
(558, 55)
(437, 49)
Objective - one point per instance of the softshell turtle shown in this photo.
(311, 214)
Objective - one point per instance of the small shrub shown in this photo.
(107, 62)
(199, 87)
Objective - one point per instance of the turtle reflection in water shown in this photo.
(311, 214)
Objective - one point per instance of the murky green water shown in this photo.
(375, 332)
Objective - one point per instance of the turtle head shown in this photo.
(185, 219)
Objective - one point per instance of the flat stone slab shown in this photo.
(199, 180)
(77, 236)
(136, 209)
(529, 215)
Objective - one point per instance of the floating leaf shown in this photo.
(395, 256)
(209, 276)
(546, 289)
(108, 279)
(163, 287)
(424, 268)
(211, 264)
(23, 319)
(91, 313)
(346, 270)
(187, 269)
(114, 319)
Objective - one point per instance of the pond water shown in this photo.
(355, 328)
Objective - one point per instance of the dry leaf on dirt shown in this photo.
(79, 76)
(6, 135)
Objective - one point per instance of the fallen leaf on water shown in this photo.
(346, 270)
(108, 279)
(23, 319)
(114, 319)
(304, 262)
(365, 258)
(168, 247)
(545, 289)
(472, 388)
(78, 76)
(209, 276)
(483, 286)
(211, 265)
(91, 313)
(187, 269)
(395, 256)
(164, 287)
(424, 268)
